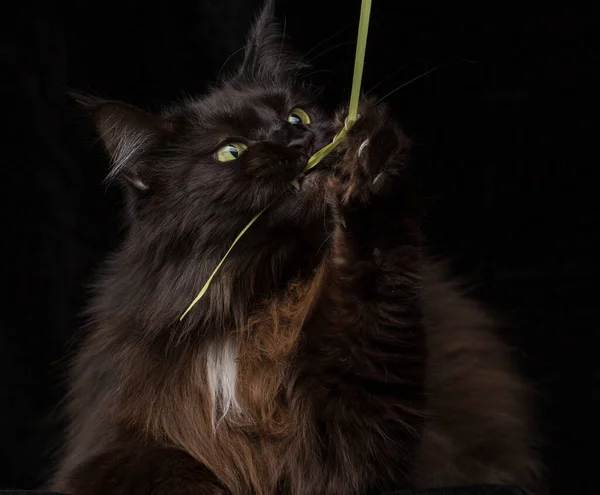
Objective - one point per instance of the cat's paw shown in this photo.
(373, 151)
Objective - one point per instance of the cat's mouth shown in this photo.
(308, 181)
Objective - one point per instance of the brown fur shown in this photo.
(330, 355)
(481, 410)
(477, 427)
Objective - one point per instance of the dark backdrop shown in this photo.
(505, 144)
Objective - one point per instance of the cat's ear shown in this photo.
(127, 133)
(266, 52)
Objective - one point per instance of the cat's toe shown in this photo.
(362, 147)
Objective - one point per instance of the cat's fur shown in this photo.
(329, 355)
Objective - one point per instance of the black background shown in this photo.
(505, 146)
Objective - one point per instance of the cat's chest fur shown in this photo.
(244, 407)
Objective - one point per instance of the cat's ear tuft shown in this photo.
(126, 133)
(266, 52)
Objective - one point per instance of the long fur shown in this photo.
(329, 356)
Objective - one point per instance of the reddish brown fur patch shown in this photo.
(265, 352)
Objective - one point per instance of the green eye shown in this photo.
(230, 152)
(298, 116)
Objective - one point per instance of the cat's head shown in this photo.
(205, 167)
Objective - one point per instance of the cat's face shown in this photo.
(207, 166)
(237, 151)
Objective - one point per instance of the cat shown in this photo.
(330, 355)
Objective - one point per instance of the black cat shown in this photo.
(328, 356)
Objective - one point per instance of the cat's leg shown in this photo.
(476, 428)
(364, 350)
(375, 278)
(158, 471)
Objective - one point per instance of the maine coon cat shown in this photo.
(329, 355)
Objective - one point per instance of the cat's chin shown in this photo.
(312, 181)
(311, 192)
(305, 202)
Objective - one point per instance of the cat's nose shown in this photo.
(301, 140)
(295, 137)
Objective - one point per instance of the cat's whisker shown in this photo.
(325, 241)
(335, 47)
(439, 66)
(320, 43)
(229, 58)
(398, 69)
(282, 41)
